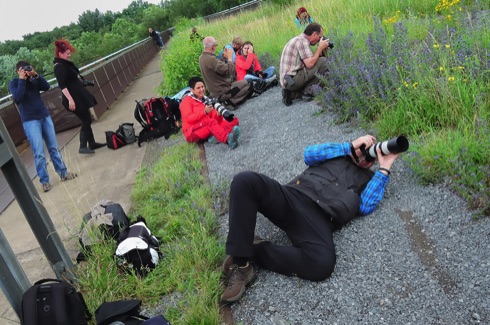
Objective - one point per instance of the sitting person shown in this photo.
(299, 65)
(219, 75)
(201, 121)
(303, 18)
(235, 45)
(248, 67)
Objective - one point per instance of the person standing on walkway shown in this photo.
(156, 37)
(37, 122)
(75, 98)
(337, 187)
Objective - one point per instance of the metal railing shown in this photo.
(233, 11)
(112, 74)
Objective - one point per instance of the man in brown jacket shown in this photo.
(218, 75)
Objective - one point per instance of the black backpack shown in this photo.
(127, 312)
(53, 302)
(137, 249)
(104, 221)
(159, 116)
(115, 140)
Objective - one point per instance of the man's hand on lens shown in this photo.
(386, 161)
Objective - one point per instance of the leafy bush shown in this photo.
(179, 64)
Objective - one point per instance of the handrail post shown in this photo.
(33, 208)
(13, 280)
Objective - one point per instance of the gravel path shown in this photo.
(419, 259)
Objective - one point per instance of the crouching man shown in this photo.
(204, 119)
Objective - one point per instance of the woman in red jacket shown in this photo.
(247, 67)
(202, 121)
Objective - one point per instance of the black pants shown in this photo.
(84, 116)
(312, 254)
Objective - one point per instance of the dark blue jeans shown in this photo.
(37, 131)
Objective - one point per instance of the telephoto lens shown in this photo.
(395, 145)
(227, 115)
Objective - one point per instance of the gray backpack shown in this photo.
(128, 132)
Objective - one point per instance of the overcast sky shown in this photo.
(18, 18)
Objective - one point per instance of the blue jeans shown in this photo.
(37, 131)
(270, 72)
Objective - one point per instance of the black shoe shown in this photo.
(96, 145)
(85, 150)
(308, 97)
(286, 97)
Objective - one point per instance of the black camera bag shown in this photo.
(53, 302)
(127, 312)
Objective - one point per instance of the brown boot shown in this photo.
(238, 278)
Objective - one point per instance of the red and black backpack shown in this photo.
(159, 116)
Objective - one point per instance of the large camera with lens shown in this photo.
(88, 83)
(27, 68)
(227, 115)
(395, 145)
(330, 43)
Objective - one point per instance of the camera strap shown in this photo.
(353, 152)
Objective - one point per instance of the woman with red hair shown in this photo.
(75, 98)
(303, 18)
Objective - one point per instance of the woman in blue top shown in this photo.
(303, 18)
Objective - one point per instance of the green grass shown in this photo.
(174, 197)
(444, 112)
(436, 83)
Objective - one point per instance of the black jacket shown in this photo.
(67, 75)
(336, 186)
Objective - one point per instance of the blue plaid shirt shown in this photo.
(372, 194)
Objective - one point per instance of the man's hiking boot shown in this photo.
(228, 262)
(233, 137)
(286, 97)
(46, 187)
(68, 176)
(238, 278)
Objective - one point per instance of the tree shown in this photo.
(91, 21)
(134, 12)
(156, 17)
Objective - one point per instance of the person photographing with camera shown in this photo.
(204, 118)
(337, 187)
(37, 123)
(299, 65)
(75, 97)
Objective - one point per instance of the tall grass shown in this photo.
(397, 66)
(174, 197)
(419, 68)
